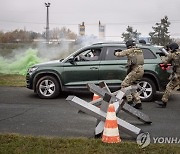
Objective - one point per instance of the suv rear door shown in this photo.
(112, 69)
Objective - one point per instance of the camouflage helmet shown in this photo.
(130, 43)
(173, 46)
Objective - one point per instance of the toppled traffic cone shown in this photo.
(95, 97)
(111, 131)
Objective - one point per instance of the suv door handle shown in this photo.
(93, 68)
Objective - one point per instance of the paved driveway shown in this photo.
(21, 111)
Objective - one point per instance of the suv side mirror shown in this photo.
(71, 60)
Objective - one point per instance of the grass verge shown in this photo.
(12, 80)
(13, 143)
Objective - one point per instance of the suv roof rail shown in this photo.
(118, 42)
(110, 42)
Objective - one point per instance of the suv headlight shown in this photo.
(32, 69)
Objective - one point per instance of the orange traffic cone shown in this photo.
(111, 132)
(95, 97)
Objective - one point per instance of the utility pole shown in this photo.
(47, 22)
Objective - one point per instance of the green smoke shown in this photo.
(20, 63)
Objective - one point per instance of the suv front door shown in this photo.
(80, 71)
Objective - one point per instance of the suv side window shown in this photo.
(148, 54)
(110, 54)
(92, 54)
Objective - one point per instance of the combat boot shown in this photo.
(161, 104)
(130, 103)
(138, 106)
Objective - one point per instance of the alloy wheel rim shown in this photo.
(47, 88)
(145, 89)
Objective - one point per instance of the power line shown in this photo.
(75, 24)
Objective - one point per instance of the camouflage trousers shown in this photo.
(173, 83)
(135, 74)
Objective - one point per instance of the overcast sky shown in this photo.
(115, 14)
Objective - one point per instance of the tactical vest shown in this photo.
(176, 62)
(138, 57)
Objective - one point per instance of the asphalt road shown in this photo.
(22, 112)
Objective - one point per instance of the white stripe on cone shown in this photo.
(111, 132)
(111, 116)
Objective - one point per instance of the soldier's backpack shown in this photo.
(138, 57)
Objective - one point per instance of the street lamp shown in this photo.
(47, 22)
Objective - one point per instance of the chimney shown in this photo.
(82, 29)
(101, 31)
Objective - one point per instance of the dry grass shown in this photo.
(12, 80)
(12, 143)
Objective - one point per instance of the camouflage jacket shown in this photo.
(170, 58)
(130, 53)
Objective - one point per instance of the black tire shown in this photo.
(147, 90)
(47, 87)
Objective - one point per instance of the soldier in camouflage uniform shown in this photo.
(174, 58)
(135, 69)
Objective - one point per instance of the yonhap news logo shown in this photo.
(143, 140)
(167, 140)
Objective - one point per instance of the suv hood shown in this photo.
(50, 63)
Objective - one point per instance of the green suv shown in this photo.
(49, 79)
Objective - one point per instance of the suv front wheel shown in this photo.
(147, 89)
(47, 87)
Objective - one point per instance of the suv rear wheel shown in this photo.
(147, 89)
(47, 87)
